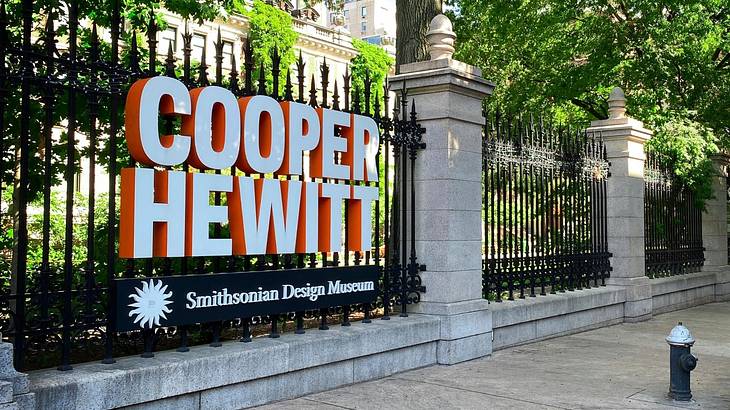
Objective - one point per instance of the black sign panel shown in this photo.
(182, 300)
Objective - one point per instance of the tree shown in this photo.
(270, 29)
(563, 57)
(412, 18)
(371, 61)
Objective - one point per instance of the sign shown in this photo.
(182, 300)
(168, 213)
(302, 165)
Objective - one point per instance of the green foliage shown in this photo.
(371, 60)
(270, 28)
(672, 58)
(687, 146)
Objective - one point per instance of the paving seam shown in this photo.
(479, 392)
(329, 404)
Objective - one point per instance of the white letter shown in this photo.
(152, 213)
(307, 241)
(263, 135)
(145, 100)
(362, 148)
(359, 218)
(254, 204)
(191, 299)
(302, 134)
(330, 216)
(288, 291)
(322, 159)
(201, 214)
(216, 128)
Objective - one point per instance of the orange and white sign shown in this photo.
(168, 213)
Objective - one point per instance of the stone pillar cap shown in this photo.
(617, 104)
(440, 38)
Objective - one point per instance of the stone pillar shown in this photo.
(625, 138)
(448, 96)
(714, 219)
(714, 229)
(14, 387)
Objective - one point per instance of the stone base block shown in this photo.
(638, 293)
(394, 361)
(530, 320)
(280, 387)
(9, 406)
(465, 329)
(638, 310)
(722, 284)
(683, 291)
(6, 392)
(467, 348)
(25, 401)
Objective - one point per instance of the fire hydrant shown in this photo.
(681, 362)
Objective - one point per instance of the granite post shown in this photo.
(14, 386)
(714, 229)
(625, 138)
(448, 97)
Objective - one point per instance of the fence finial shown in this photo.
(617, 104)
(440, 38)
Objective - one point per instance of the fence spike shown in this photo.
(203, 70)
(313, 93)
(335, 97)
(288, 88)
(233, 76)
(152, 44)
(262, 80)
(300, 78)
(170, 61)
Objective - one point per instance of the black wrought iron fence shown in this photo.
(672, 222)
(58, 249)
(544, 209)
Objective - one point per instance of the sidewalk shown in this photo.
(618, 367)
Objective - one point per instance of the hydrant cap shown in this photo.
(680, 336)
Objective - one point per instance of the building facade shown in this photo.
(372, 21)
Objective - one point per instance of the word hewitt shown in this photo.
(167, 213)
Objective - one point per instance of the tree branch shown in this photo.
(591, 108)
(724, 62)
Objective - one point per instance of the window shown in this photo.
(347, 13)
(364, 27)
(197, 44)
(168, 37)
(227, 54)
(364, 11)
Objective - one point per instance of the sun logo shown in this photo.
(150, 303)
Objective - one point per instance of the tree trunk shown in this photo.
(412, 19)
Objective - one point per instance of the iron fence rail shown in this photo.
(544, 209)
(672, 222)
(59, 310)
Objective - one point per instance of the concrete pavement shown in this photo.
(618, 367)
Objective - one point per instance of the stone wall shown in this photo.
(238, 375)
(532, 319)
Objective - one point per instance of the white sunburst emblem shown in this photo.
(150, 303)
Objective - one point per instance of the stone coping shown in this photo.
(134, 380)
(509, 313)
(678, 283)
